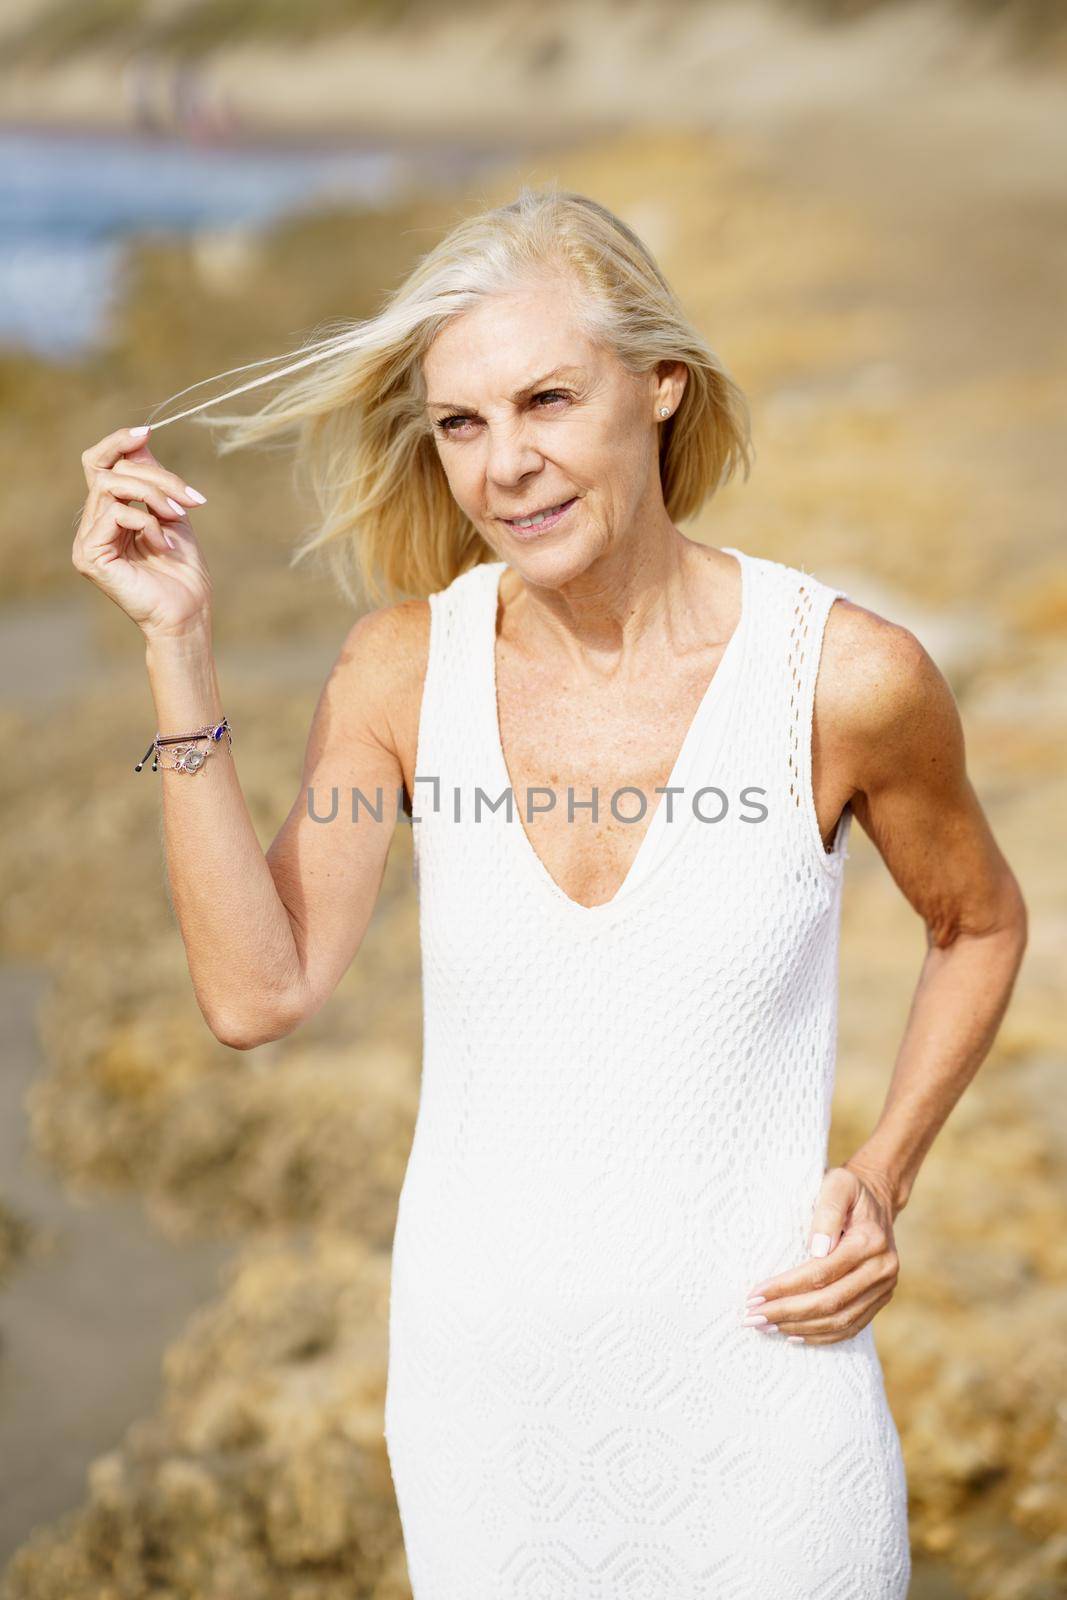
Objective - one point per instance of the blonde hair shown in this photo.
(390, 524)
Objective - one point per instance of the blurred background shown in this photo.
(862, 204)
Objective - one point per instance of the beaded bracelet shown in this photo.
(187, 758)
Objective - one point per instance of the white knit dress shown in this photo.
(622, 1128)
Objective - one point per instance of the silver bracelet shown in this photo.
(188, 757)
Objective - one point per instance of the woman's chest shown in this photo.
(587, 768)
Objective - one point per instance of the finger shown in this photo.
(837, 1322)
(145, 527)
(103, 541)
(828, 1302)
(123, 486)
(106, 451)
(168, 483)
(846, 1329)
(838, 1194)
(815, 1273)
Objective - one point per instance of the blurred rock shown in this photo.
(226, 259)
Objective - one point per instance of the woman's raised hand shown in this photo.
(146, 558)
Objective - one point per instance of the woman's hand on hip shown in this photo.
(146, 560)
(853, 1269)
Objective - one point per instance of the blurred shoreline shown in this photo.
(267, 139)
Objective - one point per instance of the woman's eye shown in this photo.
(446, 423)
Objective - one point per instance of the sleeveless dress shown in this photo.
(622, 1128)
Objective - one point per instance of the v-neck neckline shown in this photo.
(646, 862)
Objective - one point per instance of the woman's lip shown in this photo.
(549, 522)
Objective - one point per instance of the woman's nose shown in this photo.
(512, 454)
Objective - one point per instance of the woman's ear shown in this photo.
(672, 377)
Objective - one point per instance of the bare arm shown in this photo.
(892, 729)
(269, 935)
(266, 936)
(914, 799)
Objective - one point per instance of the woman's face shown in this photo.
(529, 414)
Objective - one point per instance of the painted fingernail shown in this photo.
(194, 494)
(169, 540)
(139, 433)
(757, 1300)
(794, 1338)
(754, 1321)
(820, 1245)
(174, 506)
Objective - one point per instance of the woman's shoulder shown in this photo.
(867, 661)
(876, 684)
(785, 575)
(385, 654)
(389, 641)
(382, 660)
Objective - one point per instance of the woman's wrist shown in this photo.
(893, 1186)
(187, 638)
(184, 683)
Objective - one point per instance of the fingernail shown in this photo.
(139, 433)
(169, 540)
(820, 1245)
(174, 506)
(753, 1322)
(794, 1338)
(194, 494)
(757, 1300)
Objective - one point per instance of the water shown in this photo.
(70, 202)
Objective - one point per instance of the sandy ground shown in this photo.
(872, 230)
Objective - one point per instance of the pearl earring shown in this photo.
(664, 411)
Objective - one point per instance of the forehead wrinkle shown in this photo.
(557, 372)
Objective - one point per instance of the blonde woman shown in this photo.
(631, 1345)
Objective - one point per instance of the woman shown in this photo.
(631, 1348)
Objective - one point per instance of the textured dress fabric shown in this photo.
(622, 1128)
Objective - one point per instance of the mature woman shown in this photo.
(630, 1334)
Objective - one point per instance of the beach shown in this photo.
(870, 227)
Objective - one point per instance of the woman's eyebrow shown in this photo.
(557, 372)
